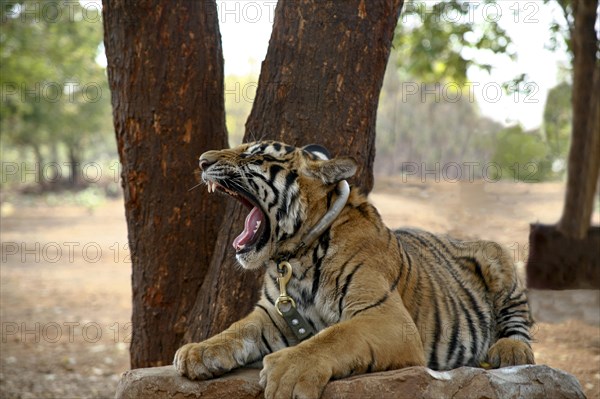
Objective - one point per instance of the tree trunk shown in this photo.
(319, 83)
(74, 166)
(165, 70)
(39, 160)
(564, 256)
(584, 155)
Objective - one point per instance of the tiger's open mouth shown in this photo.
(255, 226)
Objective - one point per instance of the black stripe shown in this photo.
(418, 295)
(514, 331)
(371, 366)
(512, 290)
(478, 270)
(274, 171)
(277, 229)
(329, 197)
(253, 185)
(433, 359)
(460, 358)
(345, 288)
(267, 346)
(479, 273)
(270, 205)
(281, 334)
(475, 307)
(343, 223)
(433, 362)
(409, 264)
(324, 243)
(268, 296)
(473, 332)
(455, 332)
(509, 306)
(379, 302)
(408, 272)
(365, 209)
(343, 269)
(283, 213)
(507, 313)
(513, 324)
(317, 268)
(288, 149)
(290, 178)
(473, 301)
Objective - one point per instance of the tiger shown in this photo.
(367, 298)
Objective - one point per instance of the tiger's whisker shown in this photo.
(196, 186)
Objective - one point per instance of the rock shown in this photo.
(541, 382)
(165, 382)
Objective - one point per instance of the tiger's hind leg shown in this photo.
(511, 311)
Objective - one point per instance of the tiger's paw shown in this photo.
(201, 361)
(510, 352)
(290, 373)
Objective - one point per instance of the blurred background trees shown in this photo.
(427, 114)
(55, 99)
(56, 104)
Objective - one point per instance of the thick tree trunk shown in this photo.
(319, 83)
(165, 69)
(584, 155)
(321, 79)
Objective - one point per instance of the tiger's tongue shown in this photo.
(253, 221)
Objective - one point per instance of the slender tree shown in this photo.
(320, 83)
(584, 155)
(564, 256)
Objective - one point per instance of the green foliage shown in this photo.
(429, 125)
(54, 93)
(435, 44)
(562, 26)
(432, 37)
(520, 156)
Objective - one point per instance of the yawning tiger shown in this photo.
(342, 293)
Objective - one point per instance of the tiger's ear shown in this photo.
(334, 170)
(318, 150)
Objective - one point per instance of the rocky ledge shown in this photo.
(541, 382)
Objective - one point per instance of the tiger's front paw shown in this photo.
(510, 352)
(203, 361)
(291, 373)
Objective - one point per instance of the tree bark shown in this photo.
(165, 70)
(564, 256)
(319, 83)
(584, 155)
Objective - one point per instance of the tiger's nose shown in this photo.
(208, 158)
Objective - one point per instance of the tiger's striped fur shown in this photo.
(380, 299)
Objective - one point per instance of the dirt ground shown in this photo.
(65, 283)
